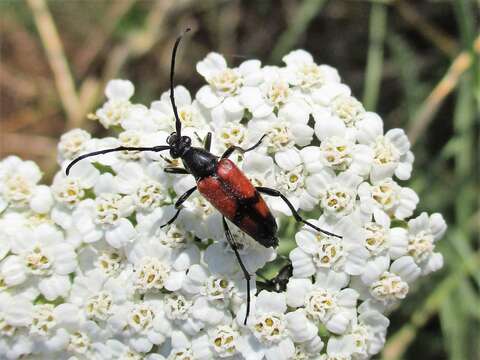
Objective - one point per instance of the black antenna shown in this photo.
(120, 148)
(178, 124)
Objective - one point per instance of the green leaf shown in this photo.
(103, 168)
(41, 300)
(399, 223)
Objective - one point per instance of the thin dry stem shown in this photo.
(439, 38)
(143, 41)
(58, 62)
(98, 36)
(137, 45)
(448, 83)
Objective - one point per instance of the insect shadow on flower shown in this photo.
(221, 182)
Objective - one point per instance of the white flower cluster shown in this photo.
(86, 272)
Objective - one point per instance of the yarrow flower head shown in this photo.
(87, 271)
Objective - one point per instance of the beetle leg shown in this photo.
(279, 282)
(231, 149)
(174, 170)
(208, 142)
(178, 205)
(231, 242)
(296, 215)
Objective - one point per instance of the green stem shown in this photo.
(378, 21)
(306, 12)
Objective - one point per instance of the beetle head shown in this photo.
(178, 146)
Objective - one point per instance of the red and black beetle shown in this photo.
(221, 182)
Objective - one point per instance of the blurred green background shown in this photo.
(414, 62)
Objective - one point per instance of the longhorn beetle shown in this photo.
(221, 182)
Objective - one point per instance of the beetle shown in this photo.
(221, 182)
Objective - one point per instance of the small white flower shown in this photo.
(43, 320)
(15, 314)
(18, 186)
(387, 197)
(325, 300)
(347, 108)
(387, 284)
(11, 223)
(130, 138)
(188, 315)
(216, 289)
(72, 143)
(334, 104)
(113, 349)
(101, 256)
(231, 134)
(337, 193)
(156, 266)
(18, 347)
(198, 216)
(141, 325)
(380, 239)
(315, 251)
(392, 153)
(318, 251)
(175, 237)
(12, 271)
(148, 192)
(375, 237)
(69, 191)
(308, 350)
(177, 307)
(287, 129)
(269, 328)
(109, 208)
(117, 107)
(80, 343)
(302, 71)
(105, 216)
(43, 256)
(273, 93)
(96, 294)
(224, 341)
(15, 317)
(423, 232)
(259, 169)
(223, 80)
(338, 149)
(222, 93)
(369, 332)
(183, 348)
(292, 178)
(50, 326)
(389, 287)
(339, 348)
(189, 113)
(141, 120)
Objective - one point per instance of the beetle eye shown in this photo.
(186, 140)
(171, 138)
